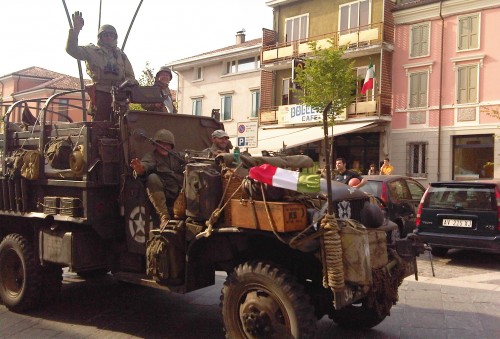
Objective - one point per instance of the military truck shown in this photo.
(69, 199)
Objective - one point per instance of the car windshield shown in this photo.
(470, 198)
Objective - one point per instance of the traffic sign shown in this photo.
(247, 134)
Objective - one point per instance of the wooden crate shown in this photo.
(286, 216)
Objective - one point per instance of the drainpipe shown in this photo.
(440, 93)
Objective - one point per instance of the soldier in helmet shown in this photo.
(163, 169)
(106, 64)
(162, 80)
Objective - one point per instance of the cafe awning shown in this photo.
(272, 139)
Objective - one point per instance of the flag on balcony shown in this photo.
(368, 84)
(279, 177)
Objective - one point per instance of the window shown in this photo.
(468, 32)
(285, 91)
(467, 84)
(417, 164)
(196, 107)
(473, 156)
(296, 28)
(63, 110)
(226, 109)
(360, 81)
(419, 40)
(418, 90)
(354, 15)
(198, 73)
(255, 104)
(242, 65)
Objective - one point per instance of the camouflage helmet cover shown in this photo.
(164, 135)
(164, 69)
(108, 29)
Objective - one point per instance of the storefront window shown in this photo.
(473, 157)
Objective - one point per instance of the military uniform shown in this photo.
(164, 174)
(107, 66)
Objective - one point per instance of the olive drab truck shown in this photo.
(69, 199)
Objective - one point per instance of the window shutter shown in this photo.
(413, 90)
(422, 102)
(472, 84)
(474, 32)
(462, 85)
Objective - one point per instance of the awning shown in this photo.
(272, 139)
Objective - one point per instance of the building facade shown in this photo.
(39, 83)
(224, 83)
(365, 29)
(445, 97)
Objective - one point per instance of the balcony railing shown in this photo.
(362, 107)
(363, 36)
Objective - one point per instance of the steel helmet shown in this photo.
(164, 135)
(108, 29)
(164, 69)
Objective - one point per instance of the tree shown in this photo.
(148, 76)
(326, 77)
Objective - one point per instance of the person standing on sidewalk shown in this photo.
(386, 168)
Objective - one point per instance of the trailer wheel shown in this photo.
(262, 301)
(51, 283)
(20, 276)
(357, 316)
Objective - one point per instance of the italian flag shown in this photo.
(279, 177)
(368, 84)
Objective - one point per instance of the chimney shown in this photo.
(240, 37)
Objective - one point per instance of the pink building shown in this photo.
(446, 100)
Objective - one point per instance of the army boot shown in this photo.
(160, 204)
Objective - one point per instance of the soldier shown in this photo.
(163, 168)
(107, 65)
(220, 144)
(162, 80)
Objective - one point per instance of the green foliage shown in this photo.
(148, 76)
(326, 77)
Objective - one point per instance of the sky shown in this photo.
(34, 32)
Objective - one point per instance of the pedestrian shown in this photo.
(344, 175)
(107, 66)
(220, 144)
(386, 168)
(162, 80)
(372, 170)
(163, 169)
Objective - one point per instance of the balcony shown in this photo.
(355, 38)
(362, 107)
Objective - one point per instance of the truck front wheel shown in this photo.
(20, 276)
(260, 300)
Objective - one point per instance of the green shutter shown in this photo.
(462, 85)
(472, 95)
(413, 90)
(416, 32)
(474, 32)
(422, 102)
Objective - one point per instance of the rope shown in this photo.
(333, 269)
(214, 217)
(273, 227)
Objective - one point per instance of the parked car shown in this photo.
(399, 196)
(461, 214)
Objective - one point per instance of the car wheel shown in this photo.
(439, 251)
(260, 300)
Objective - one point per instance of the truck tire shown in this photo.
(20, 275)
(260, 300)
(357, 316)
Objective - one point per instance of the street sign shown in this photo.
(247, 134)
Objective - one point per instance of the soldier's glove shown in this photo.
(77, 21)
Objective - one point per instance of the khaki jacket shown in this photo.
(106, 66)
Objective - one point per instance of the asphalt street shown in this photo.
(461, 301)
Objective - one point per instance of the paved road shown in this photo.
(461, 301)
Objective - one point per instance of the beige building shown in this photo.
(222, 83)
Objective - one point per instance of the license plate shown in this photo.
(457, 223)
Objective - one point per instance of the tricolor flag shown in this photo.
(279, 177)
(368, 84)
